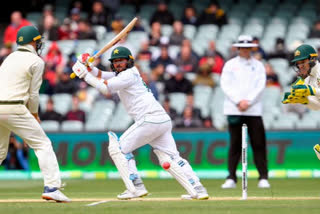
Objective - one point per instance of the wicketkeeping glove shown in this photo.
(299, 89)
(290, 99)
(80, 69)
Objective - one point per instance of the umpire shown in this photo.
(243, 80)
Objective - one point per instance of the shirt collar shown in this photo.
(27, 47)
(245, 60)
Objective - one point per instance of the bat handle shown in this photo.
(91, 60)
(72, 75)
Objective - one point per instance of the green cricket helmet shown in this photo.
(29, 34)
(304, 52)
(121, 52)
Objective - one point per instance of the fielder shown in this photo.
(306, 90)
(20, 80)
(152, 125)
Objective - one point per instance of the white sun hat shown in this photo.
(245, 41)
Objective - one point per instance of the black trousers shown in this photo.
(257, 141)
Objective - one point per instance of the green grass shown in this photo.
(103, 189)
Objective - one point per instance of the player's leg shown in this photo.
(234, 152)
(256, 132)
(26, 127)
(120, 150)
(126, 166)
(4, 143)
(170, 159)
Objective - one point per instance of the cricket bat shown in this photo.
(110, 44)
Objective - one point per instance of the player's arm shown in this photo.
(313, 103)
(104, 86)
(102, 74)
(36, 72)
(82, 72)
(83, 58)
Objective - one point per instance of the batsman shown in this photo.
(152, 125)
(306, 90)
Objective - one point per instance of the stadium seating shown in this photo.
(307, 123)
(121, 120)
(85, 46)
(100, 31)
(178, 101)
(34, 17)
(66, 46)
(43, 99)
(202, 96)
(189, 31)
(62, 102)
(166, 30)
(216, 107)
(268, 119)
(146, 11)
(50, 125)
(100, 115)
(72, 126)
(288, 121)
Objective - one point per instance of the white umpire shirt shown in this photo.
(243, 79)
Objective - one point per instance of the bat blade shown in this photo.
(113, 42)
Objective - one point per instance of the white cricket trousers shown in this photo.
(155, 130)
(28, 128)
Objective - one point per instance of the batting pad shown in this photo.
(176, 171)
(120, 161)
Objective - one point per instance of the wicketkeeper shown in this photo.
(20, 80)
(306, 90)
(152, 125)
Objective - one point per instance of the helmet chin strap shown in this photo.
(312, 63)
(39, 47)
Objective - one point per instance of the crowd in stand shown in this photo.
(170, 72)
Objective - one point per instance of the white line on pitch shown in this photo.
(96, 203)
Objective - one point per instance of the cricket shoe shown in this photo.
(229, 184)
(140, 192)
(54, 194)
(263, 183)
(202, 194)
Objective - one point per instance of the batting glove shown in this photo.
(84, 59)
(80, 69)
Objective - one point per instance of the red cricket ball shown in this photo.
(166, 165)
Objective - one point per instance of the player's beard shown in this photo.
(120, 68)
